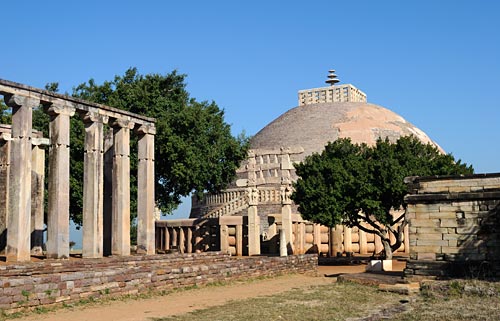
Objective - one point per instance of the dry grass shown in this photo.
(328, 302)
(455, 300)
(472, 300)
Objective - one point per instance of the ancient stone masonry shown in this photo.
(22, 99)
(454, 226)
(29, 285)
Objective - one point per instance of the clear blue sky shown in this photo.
(436, 63)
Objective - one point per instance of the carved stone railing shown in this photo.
(233, 201)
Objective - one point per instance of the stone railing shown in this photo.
(233, 201)
(22, 99)
(230, 234)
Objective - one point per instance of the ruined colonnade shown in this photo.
(22, 99)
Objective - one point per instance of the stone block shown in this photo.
(437, 236)
(432, 242)
(425, 223)
(459, 189)
(449, 208)
(427, 249)
(450, 236)
(422, 208)
(449, 222)
(432, 230)
(426, 256)
(442, 215)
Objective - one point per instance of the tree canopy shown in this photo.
(194, 148)
(361, 185)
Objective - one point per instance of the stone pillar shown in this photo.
(337, 241)
(224, 235)
(121, 187)
(286, 216)
(182, 240)
(317, 237)
(253, 222)
(146, 191)
(363, 247)
(189, 240)
(283, 243)
(4, 186)
(93, 185)
(406, 239)
(59, 166)
(37, 194)
(347, 240)
(108, 193)
(239, 239)
(19, 203)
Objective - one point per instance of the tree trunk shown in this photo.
(387, 248)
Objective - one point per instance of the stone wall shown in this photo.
(454, 226)
(56, 282)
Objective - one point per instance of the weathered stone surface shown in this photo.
(58, 207)
(37, 197)
(4, 183)
(466, 240)
(93, 186)
(146, 191)
(112, 277)
(121, 187)
(19, 203)
(253, 231)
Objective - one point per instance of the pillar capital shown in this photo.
(122, 123)
(60, 109)
(94, 117)
(146, 129)
(16, 101)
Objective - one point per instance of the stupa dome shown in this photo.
(323, 115)
(312, 126)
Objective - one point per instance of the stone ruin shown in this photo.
(454, 226)
(106, 194)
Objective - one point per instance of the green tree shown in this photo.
(194, 148)
(360, 185)
(5, 115)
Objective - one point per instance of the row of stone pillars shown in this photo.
(22, 100)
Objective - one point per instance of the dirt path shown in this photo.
(179, 302)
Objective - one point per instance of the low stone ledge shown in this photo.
(452, 196)
(25, 286)
(477, 269)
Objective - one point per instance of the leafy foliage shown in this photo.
(355, 183)
(5, 115)
(194, 148)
